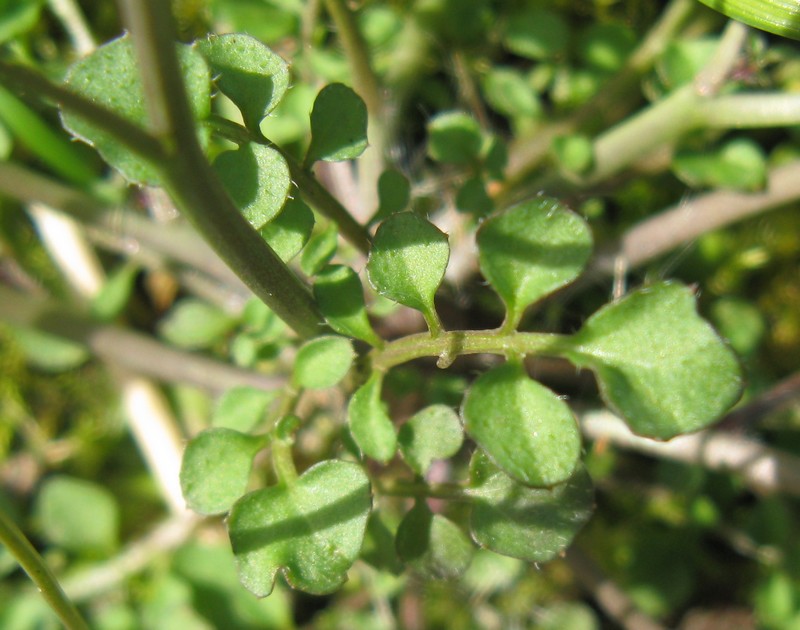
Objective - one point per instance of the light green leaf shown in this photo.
(574, 152)
(780, 18)
(454, 138)
(522, 426)
(115, 293)
(659, 364)
(530, 250)
(407, 262)
(248, 72)
(432, 433)
(323, 362)
(739, 164)
(110, 77)
(340, 297)
(311, 530)
(606, 46)
(370, 426)
(534, 524)
(320, 249)
(78, 515)
(433, 545)
(49, 352)
(338, 125)
(18, 16)
(257, 179)
(536, 33)
(242, 408)
(288, 233)
(216, 468)
(194, 324)
(508, 92)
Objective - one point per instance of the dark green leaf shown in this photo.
(247, 72)
(433, 545)
(524, 427)
(257, 179)
(536, 33)
(320, 249)
(311, 530)
(606, 46)
(242, 408)
(288, 233)
(195, 324)
(18, 16)
(110, 77)
(432, 433)
(340, 297)
(530, 250)
(454, 138)
(473, 198)
(338, 125)
(659, 364)
(216, 468)
(370, 426)
(394, 193)
(528, 523)
(323, 362)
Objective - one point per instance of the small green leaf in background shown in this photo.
(194, 324)
(508, 92)
(432, 433)
(454, 138)
(534, 524)
(606, 46)
(523, 427)
(530, 250)
(370, 426)
(739, 164)
(683, 59)
(242, 408)
(115, 293)
(575, 153)
(311, 530)
(394, 193)
(323, 362)
(659, 364)
(257, 179)
(110, 77)
(17, 17)
(216, 469)
(49, 352)
(340, 297)
(740, 322)
(338, 125)
(288, 233)
(536, 33)
(407, 262)
(473, 198)
(432, 545)
(247, 72)
(319, 250)
(78, 515)
(572, 615)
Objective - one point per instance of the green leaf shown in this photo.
(323, 362)
(536, 33)
(473, 198)
(110, 77)
(338, 125)
(340, 297)
(534, 524)
(606, 46)
(394, 194)
(739, 164)
(659, 364)
(311, 530)
(257, 179)
(370, 426)
(49, 352)
(407, 262)
(574, 152)
(17, 17)
(432, 545)
(508, 92)
(242, 408)
(432, 433)
(320, 249)
(115, 293)
(683, 59)
(454, 138)
(530, 250)
(288, 233)
(194, 324)
(780, 18)
(216, 468)
(247, 72)
(78, 515)
(522, 426)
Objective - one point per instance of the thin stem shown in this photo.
(33, 564)
(456, 343)
(716, 72)
(283, 462)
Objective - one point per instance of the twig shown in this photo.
(69, 14)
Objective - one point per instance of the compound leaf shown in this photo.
(247, 72)
(659, 364)
(522, 426)
(338, 125)
(370, 426)
(432, 433)
(530, 250)
(323, 362)
(340, 297)
(216, 467)
(311, 529)
(534, 524)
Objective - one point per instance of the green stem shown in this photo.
(192, 183)
(282, 462)
(34, 565)
(740, 111)
(457, 343)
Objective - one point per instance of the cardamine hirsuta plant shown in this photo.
(503, 456)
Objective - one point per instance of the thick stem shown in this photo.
(33, 564)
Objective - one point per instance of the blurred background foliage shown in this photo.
(691, 547)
